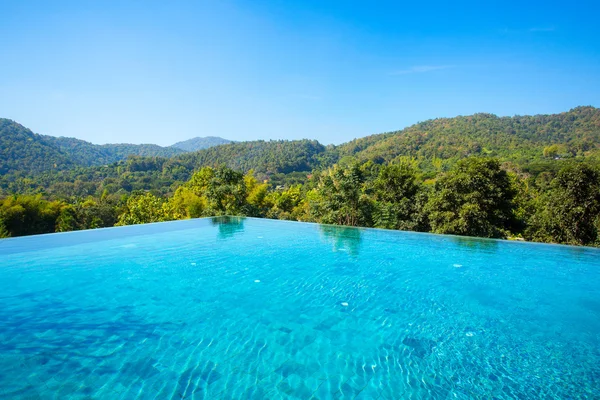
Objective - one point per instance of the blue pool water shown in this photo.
(248, 308)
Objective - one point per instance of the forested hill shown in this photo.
(199, 143)
(522, 139)
(268, 157)
(25, 152)
(533, 177)
(88, 154)
(534, 144)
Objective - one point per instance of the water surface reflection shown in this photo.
(228, 226)
(343, 238)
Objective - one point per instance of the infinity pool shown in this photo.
(232, 308)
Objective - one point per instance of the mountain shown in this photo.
(520, 139)
(268, 157)
(88, 154)
(23, 151)
(199, 143)
(532, 144)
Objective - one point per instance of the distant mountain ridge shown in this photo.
(200, 143)
(521, 139)
(23, 151)
(266, 157)
(525, 141)
(434, 144)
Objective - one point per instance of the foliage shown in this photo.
(570, 211)
(476, 198)
(264, 157)
(257, 203)
(22, 151)
(522, 139)
(535, 176)
(187, 203)
(395, 192)
(145, 208)
(223, 190)
(87, 214)
(165, 175)
(32, 163)
(3, 230)
(341, 198)
(27, 215)
(286, 203)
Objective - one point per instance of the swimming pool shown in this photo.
(254, 308)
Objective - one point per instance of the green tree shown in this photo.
(570, 211)
(187, 203)
(476, 198)
(223, 189)
(285, 204)
(67, 220)
(87, 214)
(256, 200)
(3, 230)
(28, 215)
(395, 191)
(341, 198)
(145, 208)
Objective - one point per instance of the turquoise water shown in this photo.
(249, 308)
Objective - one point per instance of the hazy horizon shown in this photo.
(300, 138)
(151, 72)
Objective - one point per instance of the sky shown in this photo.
(165, 71)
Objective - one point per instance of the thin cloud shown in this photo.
(522, 31)
(419, 69)
(547, 29)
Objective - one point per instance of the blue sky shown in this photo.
(161, 72)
